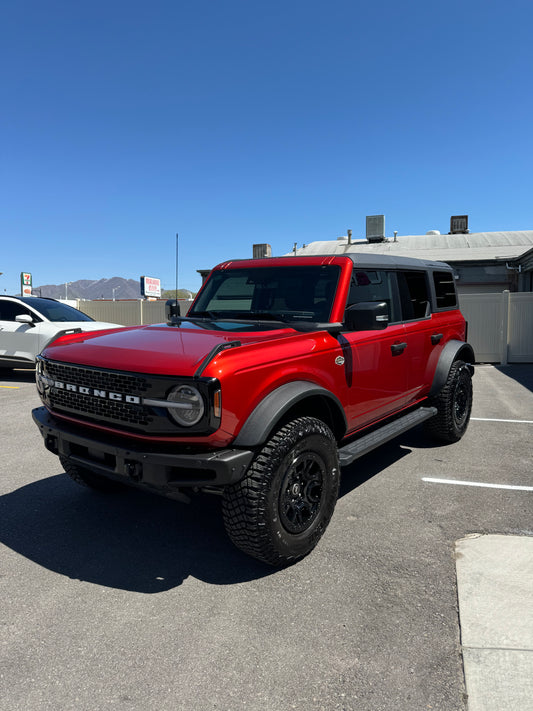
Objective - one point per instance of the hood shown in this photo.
(158, 349)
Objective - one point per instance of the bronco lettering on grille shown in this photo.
(92, 392)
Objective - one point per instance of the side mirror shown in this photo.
(24, 318)
(172, 309)
(367, 316)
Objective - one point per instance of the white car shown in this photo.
(27, 324)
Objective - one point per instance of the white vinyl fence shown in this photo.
(500, 326)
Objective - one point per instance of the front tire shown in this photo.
(88, 478)
(280, 509)
(454, 405)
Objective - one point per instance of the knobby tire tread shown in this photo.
(244, 504)
(442, 427)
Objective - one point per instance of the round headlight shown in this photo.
(187, 406)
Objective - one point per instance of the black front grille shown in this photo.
(99, 407)
(104, 379)
(115, 397)
(64, 382)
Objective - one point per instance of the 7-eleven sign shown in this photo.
(25, 284)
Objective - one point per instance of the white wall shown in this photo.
(500, 326)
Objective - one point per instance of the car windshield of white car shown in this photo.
(55, 310)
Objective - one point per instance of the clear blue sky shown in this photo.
(236, 122)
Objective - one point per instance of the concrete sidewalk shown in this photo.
(495, 590)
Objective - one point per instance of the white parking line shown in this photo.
(477, 483)
(491, 419)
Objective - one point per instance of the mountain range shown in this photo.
(90, 289)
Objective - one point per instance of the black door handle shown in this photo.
(398, 348)
(436, 338)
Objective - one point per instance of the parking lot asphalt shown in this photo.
(138, 602)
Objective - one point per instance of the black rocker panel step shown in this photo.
(367, 443)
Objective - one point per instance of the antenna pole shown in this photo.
(177, 267)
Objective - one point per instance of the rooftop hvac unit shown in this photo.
(262, 251)
(459, 225)
(375, 228)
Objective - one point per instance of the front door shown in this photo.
(17, 340)
(376, 362)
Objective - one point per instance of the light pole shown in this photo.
(67, 284)
(115, 288)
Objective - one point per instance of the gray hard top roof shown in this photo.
(389, 261)
(366, 260)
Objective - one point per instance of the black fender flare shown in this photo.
(453, 350)
(276, 404)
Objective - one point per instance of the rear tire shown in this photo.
(89, 478)
(280, 509)
(454, 405)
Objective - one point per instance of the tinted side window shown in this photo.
(414, 295)
(445, 290)
(374, 285)
(10, 309)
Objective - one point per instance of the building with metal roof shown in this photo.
(483, 261)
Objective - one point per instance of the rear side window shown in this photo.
(414, 295)
(445, 290)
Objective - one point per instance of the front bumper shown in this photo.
(164, 471)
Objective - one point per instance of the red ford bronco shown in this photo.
(283, 371)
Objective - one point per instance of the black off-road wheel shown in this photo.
(88, 478)
(454, 405)
(281, 508)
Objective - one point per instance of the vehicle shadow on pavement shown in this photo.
(137, 541)
(18, 376)
(371, 464)
(522, 373)
(128, 540)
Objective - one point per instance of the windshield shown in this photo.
(55, 310)
(299, 293)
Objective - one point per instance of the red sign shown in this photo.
(150, 286)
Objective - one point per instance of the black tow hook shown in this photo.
(50, 442)
(134, 470)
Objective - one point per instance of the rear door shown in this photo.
(428, 303)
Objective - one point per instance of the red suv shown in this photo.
(283, 371)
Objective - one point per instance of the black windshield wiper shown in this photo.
(253, 316)
(204, 314)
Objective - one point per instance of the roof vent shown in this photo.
(375, 228)
(433, 232)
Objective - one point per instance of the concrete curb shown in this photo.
(495, 591)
